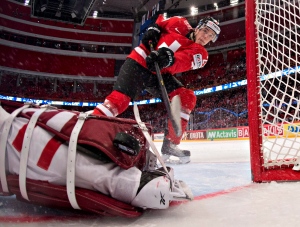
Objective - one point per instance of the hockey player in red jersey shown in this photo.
(178, 48)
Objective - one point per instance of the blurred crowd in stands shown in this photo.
(218, 110)
(215, 110)
(69, 46)
(221, 109)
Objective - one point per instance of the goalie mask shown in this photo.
(212, 24)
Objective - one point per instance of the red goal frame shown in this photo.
(258, 171)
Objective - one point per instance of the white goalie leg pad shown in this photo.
(154, 195)
(160, 191)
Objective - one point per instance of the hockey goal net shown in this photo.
(273, 83)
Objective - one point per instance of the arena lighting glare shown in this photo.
(95, 14)
(233, 2)
(216, 6)
(194, 10)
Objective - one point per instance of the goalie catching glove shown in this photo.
(163, 56)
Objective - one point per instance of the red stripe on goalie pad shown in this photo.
(55, 196)
(96, 136)
(48, 153)
(18, 142)
(97, 132)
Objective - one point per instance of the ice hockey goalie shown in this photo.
(72, 160)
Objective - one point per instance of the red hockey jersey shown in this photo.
(188, 54)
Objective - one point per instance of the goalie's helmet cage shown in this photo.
(211, 23)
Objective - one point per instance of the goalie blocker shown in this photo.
(73, 155)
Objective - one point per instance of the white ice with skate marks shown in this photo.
(219, 176)
(212, 163)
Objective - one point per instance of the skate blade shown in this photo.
(176, 160)
(165, 157)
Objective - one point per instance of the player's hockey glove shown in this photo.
(152, 34)
(163, 56)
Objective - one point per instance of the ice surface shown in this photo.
(219, 176)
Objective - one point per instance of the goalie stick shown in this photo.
(173, 108)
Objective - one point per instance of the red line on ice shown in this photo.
(215, 194)
(30, 219)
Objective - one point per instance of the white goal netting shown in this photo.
(278, 40)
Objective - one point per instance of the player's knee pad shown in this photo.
(187, 98)
(188, 101)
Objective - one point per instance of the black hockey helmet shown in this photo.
(211, 23)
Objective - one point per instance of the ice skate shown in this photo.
(170, 149)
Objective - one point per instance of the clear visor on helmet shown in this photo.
(211, 32)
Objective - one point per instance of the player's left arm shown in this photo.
(187, 59)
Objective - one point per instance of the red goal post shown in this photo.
(273, 83)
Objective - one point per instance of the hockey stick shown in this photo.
(173, 108)
(180, 191)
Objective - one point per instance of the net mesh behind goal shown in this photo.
(273, 49)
